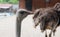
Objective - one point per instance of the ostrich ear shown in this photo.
(57, 6)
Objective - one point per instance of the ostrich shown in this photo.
(21, 14)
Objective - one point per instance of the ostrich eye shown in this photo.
(22, 12)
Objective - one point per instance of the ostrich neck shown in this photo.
(19, 21)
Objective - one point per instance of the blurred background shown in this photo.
(7, 18)
(8, 7)
(9, 1)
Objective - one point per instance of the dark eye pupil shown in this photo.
(22, 12)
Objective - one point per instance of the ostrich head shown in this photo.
(22, 13)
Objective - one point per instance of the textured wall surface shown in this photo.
(38, 4)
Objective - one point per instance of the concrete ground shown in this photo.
(8, 28)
